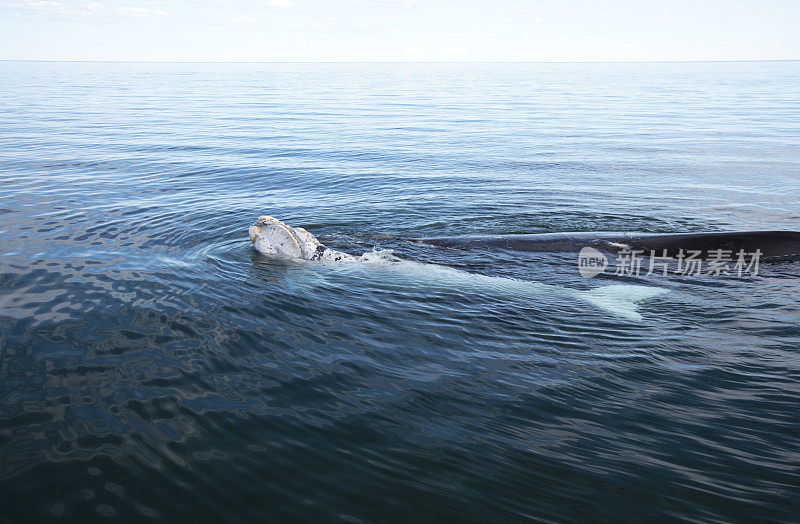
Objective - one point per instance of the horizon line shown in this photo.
(399, 61)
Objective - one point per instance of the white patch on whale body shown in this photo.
(272, 237)
(620, 299)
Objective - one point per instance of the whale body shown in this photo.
(273, 238)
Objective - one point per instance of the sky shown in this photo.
(399, 30)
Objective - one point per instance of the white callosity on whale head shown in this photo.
(271, 237)
(308, 243)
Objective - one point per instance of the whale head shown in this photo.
(272, 237)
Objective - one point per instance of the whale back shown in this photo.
(771, 244)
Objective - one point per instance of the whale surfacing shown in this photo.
(273, 238)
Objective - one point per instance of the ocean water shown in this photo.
(153, 367)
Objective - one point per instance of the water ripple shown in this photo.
(150, 357)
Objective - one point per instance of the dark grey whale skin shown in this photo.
(773, 244)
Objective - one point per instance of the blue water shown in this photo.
(153, 367)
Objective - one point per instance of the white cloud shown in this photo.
(281, 4)
(82, 10)
(142, 13)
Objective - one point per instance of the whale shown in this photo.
(275, 239)
(769, 244)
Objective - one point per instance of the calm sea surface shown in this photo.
(153, 367)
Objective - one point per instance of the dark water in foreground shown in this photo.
(154, 368)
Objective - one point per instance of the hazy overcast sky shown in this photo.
(415, 30)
